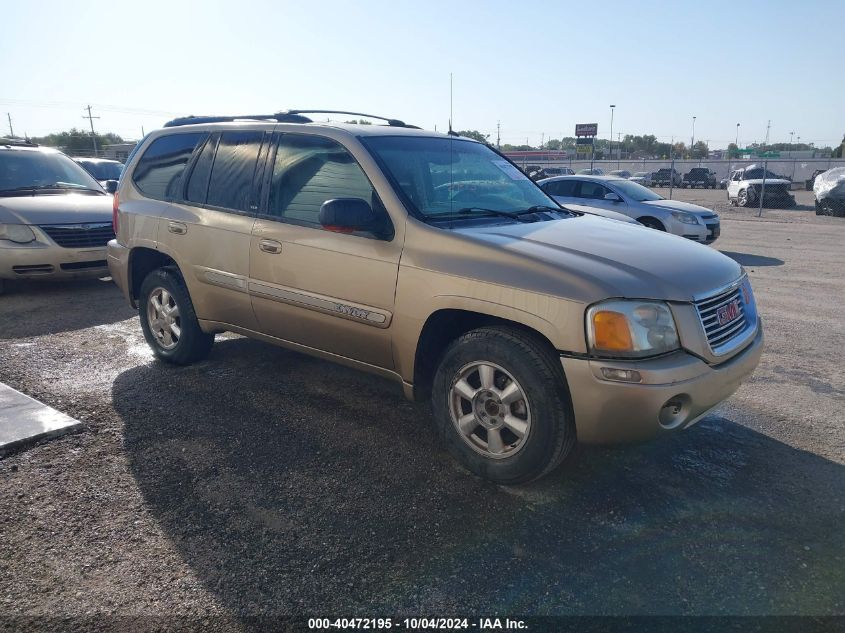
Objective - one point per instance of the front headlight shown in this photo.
(684, 217)
(631, 329)
(18, 233)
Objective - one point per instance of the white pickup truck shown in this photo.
(746, 185)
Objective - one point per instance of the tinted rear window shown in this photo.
(234, 166)
(560, 187)
(161, 168)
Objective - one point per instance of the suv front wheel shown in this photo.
(168, 319)
(502, 406)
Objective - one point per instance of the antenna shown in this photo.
(450, 102)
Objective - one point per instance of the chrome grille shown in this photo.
(708, 311)
(79, 235)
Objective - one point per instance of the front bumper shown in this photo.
(48, 261)
(608, 411)
(706, 233)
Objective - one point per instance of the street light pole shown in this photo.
(610, 146)
(692, 139)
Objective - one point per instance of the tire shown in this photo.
(820, 209)
(172, 330)
(652, 223)
(744, 198)
(474, 372)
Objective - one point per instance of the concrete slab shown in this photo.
(24, 420)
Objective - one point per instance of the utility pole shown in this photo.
(618, 148)
(93, 135)
(11, 131)
(672, 168)
(768, 126)
(498, 135)
(610, 148)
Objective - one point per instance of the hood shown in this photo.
(677, 205)
(604, 259)
(68, 208)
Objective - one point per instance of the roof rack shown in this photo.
(289, 116)
(279, 117)
(390, 122)
(17, 142)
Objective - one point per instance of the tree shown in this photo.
(475, 135)
(700, 150)
(76, 141)
(839, 151)
(733, 150)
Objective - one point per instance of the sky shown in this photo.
(537, 68)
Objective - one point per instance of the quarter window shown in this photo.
(160, 170)
(308, 170)
(234, 165)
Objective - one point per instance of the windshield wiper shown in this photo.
(468, 211)
(55, 186)
(543, 207)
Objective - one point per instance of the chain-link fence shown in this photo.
(798, 169)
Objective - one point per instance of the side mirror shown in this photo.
(111, 186)
(612, 197)
(347, 215)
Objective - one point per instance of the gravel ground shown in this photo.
(263, 482)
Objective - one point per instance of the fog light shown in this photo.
(622, 375)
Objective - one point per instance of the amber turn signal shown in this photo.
(611, 332)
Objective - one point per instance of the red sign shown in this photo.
(586, 129)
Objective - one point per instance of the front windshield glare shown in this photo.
(441, 176)
(36, 169)
(636, 191)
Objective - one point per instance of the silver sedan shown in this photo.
(635, 201)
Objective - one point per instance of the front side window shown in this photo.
(443, 176)
(308, 170)
(230, 186)
(159, 172)
(636, 191)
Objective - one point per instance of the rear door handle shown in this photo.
(270, 246)
(177, 227)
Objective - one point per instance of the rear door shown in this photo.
(564, 191)
(310, 284)
(211, 227)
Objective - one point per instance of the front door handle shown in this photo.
(270, 246)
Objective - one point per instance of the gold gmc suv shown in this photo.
(434, 261)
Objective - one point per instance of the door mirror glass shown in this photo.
(111, 186)
(612, 197)
(347, 215)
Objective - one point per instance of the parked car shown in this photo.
(55, 219)
(526, 326)
(699, 177)
(747, 184)
(106, 171)
(535, 172)
(808, 184)
(644, 178)
(620, 173)
(723, 183)
(644, 205)
(596, 171)
(666, 176)
(558, 171)
(829, 191)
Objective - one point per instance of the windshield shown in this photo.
(23, 169)
(635, 191)
(442, 176)
(103, 170)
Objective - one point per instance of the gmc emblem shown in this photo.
(729, 312)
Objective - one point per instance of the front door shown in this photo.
(312, 285)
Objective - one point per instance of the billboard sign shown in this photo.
(586, 129)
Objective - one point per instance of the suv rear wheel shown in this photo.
(502, 406)
(168, 319)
